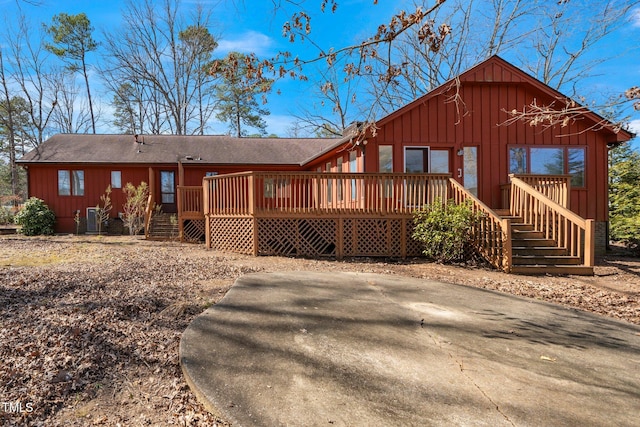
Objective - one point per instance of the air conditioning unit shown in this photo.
(92, 223)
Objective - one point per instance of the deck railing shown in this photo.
(316, 193)
(555, 187)
(492, 234)
(569, 230)
(190, 201)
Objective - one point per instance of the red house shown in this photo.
(544, 187)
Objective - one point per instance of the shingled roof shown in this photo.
(164, 149)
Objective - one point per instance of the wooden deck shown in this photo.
(317, 214)
(340, 215)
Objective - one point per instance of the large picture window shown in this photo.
(70, 183)
(549, 161)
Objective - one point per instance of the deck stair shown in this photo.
(534, 254)
(162, 227)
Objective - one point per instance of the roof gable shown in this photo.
(497, 70)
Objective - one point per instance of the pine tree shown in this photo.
(237, 91)
(624, 195)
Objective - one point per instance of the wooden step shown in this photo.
(161, 228)
(522, 227)
(532, 243)
(534, 254)
(518, 234)
(546, 260)
(577, 270)
(538, 250)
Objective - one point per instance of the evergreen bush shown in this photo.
(444, 229)
(35, 218)
(6, 216)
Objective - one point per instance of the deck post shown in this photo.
(340, 238)
(403, 237)
(251, 195)
(589, 243)
(254, 224)
(206, 211)
(181, 195)
(507, 252)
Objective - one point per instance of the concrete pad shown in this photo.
(348, 349)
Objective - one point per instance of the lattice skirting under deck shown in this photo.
(231, 234)
(316, 237)
(193, 230)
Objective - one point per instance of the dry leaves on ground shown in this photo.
(91, 325)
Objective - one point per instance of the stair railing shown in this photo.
(568, 230)
(147, 216)
(492, 234)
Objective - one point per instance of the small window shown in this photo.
(211, 173)
(116, 179)
(575, 159)
(78, 183)
(353, 167)
(327, 167)
(517, 160)
(385, 158)
(70, 183)
(64, 183)
(269, 188)
(339, 184)
(277, 188)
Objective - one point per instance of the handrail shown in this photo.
(555, 187)
(147, 215)
(492, 234)
(567, 229)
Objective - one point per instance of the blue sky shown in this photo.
(254, 26)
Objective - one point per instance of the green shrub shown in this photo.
(444, 229)
(6, 216)
(35, 218)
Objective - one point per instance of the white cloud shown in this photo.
(635, 17)
(279, 124)
(634, 126)
(248, 42)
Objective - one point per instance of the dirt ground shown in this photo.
(90, 325)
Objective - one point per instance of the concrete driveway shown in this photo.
(342, 349)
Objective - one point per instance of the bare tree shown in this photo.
(8, 123)
(33, 76)
(162, 57)
(568, 31)
(337, 93)
(72, 113)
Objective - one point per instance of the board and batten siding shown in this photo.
(478, 118)
(43, 184)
